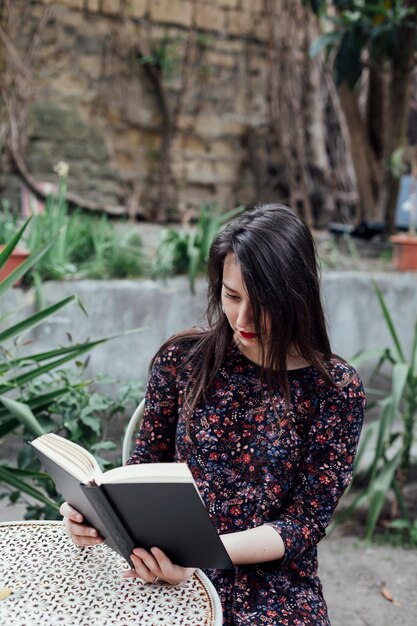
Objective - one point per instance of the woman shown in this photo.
(267, 419)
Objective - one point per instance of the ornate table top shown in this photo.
(55, 582)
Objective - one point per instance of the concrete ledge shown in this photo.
(354, 316)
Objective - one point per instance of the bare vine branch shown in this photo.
(170, 115)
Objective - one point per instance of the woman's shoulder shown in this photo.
(335, 378)
(178, 347)
(334, 372)
(347, 388)
(341, 372)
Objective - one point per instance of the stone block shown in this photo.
(253, 6)
(191, 145)
(186, 122)
(208, 17)
(200, 171)
(212, 125)
(172, 12)
(73, 4)
(211, 171)
(93, 6)
(177, 169)
(90, 65)
(220, 59)
(261, 30)
(227, 171)
(224, 149)
(230, 46)
(136, 8)
(239, 23)
(111, 7)
(192, 197)
(69, 85)
(228, 4)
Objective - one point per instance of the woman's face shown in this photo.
(238, 310)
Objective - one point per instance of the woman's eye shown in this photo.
(231, 296)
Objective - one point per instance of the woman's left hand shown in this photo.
(153, 565)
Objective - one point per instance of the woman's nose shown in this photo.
(245, 317)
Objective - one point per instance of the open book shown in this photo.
(155, 504)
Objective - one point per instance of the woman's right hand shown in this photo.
(80, 533)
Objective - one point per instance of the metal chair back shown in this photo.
(131, 430)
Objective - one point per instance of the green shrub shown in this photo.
(8, 222)
(82, 414)
(86, 246)
(186, 251)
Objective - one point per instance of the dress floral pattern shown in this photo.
(255, 464)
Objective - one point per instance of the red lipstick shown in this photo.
(247, 335)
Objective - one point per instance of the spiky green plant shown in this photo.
(17, 411)
(391, 436)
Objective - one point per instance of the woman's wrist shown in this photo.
(255, 545)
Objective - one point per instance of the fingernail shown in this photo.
(93, 533)
(79, 518)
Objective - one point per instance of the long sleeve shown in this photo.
(156, 439)
(325, 471)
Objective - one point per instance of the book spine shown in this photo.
(117, 536)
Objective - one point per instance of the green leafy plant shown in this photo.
(405, 530)
(390, 438)
(113, 254)
(358, 26)
(8, 222)
(163, 57)
(186, 251)
(85, 416)
(18, 373)
(85, 246)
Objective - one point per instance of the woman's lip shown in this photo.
(247, 335)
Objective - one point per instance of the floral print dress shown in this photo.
(254, 464)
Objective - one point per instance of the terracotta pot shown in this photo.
(405, 252)
(15, 259)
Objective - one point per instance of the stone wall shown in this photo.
(94, 104)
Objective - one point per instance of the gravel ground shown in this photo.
(353, 574)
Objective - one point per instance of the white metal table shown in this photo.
(54, 582)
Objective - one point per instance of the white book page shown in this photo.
(70, 456)
(149, 473)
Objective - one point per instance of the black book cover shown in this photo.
(170, 516)
(92, 503)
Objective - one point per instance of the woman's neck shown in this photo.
(294, 360)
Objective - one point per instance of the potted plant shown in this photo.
(8, 228)
(405, 244)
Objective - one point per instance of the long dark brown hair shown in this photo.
(276, 255)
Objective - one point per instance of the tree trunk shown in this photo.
(362, 155)
(375, 107)
(316, 131)
(399, 108)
